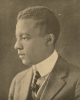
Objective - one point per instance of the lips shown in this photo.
(21, 55)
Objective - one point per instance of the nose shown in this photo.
(18, 45)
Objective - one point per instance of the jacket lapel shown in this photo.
(55, 81)
(25, 85)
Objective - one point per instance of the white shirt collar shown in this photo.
(46, 65)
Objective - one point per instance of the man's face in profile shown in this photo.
(30, 45)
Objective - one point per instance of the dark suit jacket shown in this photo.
(63, 83)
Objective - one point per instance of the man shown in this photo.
(37, 31)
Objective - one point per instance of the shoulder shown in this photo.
(74, 70)
(20, 76)
(18, 79)
(16, 82)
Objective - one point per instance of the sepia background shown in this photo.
(68, 45)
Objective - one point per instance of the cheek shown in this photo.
(29, 48)
(34, 47)
(32, 50)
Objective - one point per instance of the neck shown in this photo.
(45, 55)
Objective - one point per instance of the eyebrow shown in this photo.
(23, 34)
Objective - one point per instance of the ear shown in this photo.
(50, 39)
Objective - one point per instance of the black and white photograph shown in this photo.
(40, 49)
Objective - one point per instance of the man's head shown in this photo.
(37, 31)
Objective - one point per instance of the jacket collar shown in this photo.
(56, 80)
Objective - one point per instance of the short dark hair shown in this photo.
(43, 15)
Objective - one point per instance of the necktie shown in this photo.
(34, 86)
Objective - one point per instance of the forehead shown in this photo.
(26, 25)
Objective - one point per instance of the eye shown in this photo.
(25, 37)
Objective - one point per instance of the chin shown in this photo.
(26, 63)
